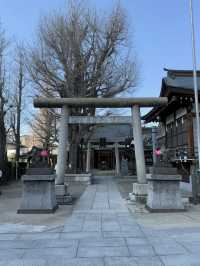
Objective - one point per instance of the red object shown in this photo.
(158, 152)
(44, 153)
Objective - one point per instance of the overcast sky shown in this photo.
(161, 32)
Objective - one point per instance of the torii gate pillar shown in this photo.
(139, 146)
(62, 196)
(139, 188)
(63, 145)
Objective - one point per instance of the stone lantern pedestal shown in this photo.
(164, 191)
(38, 191)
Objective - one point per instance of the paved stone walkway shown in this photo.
(101, 232)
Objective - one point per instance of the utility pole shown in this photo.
(196, 173)
(195, 79)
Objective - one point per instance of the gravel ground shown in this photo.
(188, 219)
(10, 202)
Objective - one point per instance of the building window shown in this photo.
(176, 133)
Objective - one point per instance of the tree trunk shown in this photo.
(73, 152)
(17, 138)
(3, 153)
(73, 157)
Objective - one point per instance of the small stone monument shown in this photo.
(38, 194)
(124, 167)
(164, 190)
(195, 176)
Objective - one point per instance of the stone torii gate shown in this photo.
(139, 188)
(101, 120)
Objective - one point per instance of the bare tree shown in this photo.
(4, 102)
(43, 126)
(79, 54)
(19, 83)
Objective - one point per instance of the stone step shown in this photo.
(86, 178)
(164, 177)
(104, 172)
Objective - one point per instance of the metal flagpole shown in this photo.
(195, 79)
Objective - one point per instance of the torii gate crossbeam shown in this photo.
(99, 102)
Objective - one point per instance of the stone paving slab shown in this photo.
(136, 241)
(110, 226)
(92, 222)
(124, 261)
(127, 220)
(181, 260)
(46, 253)
(149, 261)
(101, 211)
(141, 250)
(101, 232)
(192, 247)
(161, 240)
(54, 261)
(81, 235)
(92, 226)
(129, 227)
(186, 237)
(73, 228)
(10, 254)
(169, 249)
(18, 262)
(134, 233)
(35, 236)
(76, 262)
(102, 251)
(9, 236)
(103, 242)
(16, 228)
(16, 244)
(55, 243)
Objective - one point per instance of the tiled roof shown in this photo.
(110, 132)
(181, 82)
(181, 78)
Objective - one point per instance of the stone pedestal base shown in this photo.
(164, 193)
(62, 196)
(38, 195)
(85, 178)
(139, 193)
(61, 190)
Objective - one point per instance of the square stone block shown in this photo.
(164, 194)
(38, 194)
